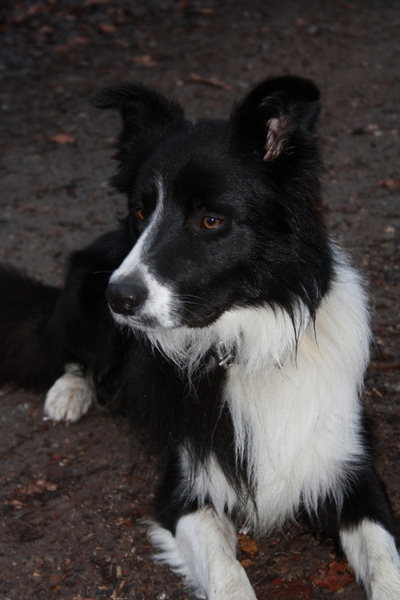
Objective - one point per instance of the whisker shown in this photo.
(187, 311)
(202, 301)
(102, 272)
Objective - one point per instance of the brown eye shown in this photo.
(211, 222)
(140, 213)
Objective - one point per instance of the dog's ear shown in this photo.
(147, 117)
(276, 116)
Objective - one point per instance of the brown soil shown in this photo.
(73, 496)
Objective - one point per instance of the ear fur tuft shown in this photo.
(267, 119)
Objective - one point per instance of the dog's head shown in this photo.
(222, 214)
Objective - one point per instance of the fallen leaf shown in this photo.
(247, 545)
(144, 510)
(56, 579)
(246, 562)
(63, 138)
(35, 10)
(389, 183)
(62, 48)
(26, 208)
(47, 30)
(16, 504)
(144, 61)
(78, 41)
(210, 81)
(36, 487)
(106, 28)
(385, 366)
(334, 577)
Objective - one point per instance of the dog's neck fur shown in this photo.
(281, 376)
(256, 337)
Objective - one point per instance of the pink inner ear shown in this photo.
(278, 130)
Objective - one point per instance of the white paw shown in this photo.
(70, 396)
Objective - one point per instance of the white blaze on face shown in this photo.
(160, 306)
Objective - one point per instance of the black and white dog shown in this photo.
(225, 318)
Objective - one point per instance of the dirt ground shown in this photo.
(73, 497)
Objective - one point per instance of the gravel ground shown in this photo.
(74, 497)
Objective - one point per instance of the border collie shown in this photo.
(227, 321)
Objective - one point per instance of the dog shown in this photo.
(225, 319)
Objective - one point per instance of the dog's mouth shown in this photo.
(143, 323)
(152, 323)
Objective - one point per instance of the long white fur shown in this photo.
(203, 550)
(293, 396)
(70, 396)
(372, 553)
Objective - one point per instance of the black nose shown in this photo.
(126, 298)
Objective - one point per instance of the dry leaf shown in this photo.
(78, 41)
(389, 183)
(16, 504)
(34, 10)
(36, 487)
(106, 28)
(47, 30)
(246, 562)
(247, 545)
(26, 208)
(210, 81)
(63, 138)
(334, 577)
(144, 61)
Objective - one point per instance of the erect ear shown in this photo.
(276, 115)
(147, 118)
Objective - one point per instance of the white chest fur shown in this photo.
(295, 406)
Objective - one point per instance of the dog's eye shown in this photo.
(140, 213)
(211, 222)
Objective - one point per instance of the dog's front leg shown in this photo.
(203, 550)
(367, 536)
(371, 551)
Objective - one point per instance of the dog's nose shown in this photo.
(126, 298)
